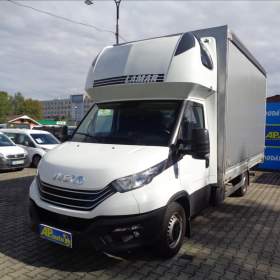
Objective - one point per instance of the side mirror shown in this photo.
(200, 143)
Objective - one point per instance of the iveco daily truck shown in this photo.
(178, 122)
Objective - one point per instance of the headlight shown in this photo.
(139, 179)
(2, 156)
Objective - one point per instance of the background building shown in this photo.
(72, 108)
(274, 98)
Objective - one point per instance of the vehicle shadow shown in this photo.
(268, 178)
(239, 232)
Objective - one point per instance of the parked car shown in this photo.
(63, 133)
(12, 157)
(35, 142)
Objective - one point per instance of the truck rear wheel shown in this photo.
(172, 231)
(243, 189)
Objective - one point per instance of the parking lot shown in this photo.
(237, 240)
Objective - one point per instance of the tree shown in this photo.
(32, 108)
(5, 106)
(18, 104)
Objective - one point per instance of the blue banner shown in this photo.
(272, 159)
(272, 137)
(273, 114)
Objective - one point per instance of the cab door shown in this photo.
(194, 172)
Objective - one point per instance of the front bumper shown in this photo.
(7, 164)
(108, 233)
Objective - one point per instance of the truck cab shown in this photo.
(145, 159)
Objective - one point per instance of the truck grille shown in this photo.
(73, 199)
(16, 156)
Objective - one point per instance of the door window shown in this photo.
(24, 140)
(193, 119)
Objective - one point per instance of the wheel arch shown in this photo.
(182, 197)
(33, 157)
(36, 155)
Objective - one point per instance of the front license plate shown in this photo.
(56, 235)
(17, 162)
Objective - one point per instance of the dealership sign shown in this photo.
(272, 137)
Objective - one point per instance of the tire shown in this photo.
(243, 190)
(173, 230)
(35, 161)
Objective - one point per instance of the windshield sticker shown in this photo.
(39, 140)
(105, 112)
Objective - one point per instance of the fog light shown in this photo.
(136, 234)
(126, 238)
(121, 230)
(126, 234)
(130, 229)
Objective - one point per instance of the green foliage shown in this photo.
(5, 106)
(32, 108)
(18, 105)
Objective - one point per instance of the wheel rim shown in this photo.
(175, 230)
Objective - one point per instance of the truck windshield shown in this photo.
(44, 139)
(148, 123)
(5, 141)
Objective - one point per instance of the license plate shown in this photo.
(17, 162)
(56, 235)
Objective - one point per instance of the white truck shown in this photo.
(178, 122)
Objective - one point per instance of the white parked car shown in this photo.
(12, 157)
(35, 142)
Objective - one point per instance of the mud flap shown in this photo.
(217, 195)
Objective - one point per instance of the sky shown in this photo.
(44, 57)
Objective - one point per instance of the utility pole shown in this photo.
(118, 3)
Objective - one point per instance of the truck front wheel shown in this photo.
(172, 231)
